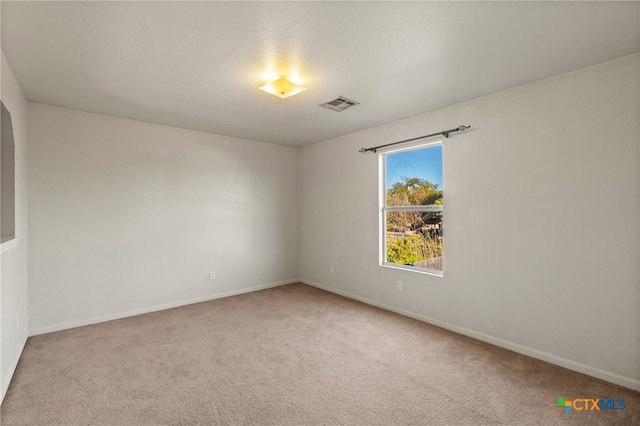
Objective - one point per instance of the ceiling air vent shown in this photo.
(339, 104)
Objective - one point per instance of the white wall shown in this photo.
(127, 217)
(13, 256)
(541, 213)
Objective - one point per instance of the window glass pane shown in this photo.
(414, 177)
(415, 238)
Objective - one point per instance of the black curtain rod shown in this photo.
(444, 133)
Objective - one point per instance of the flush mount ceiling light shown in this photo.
(282, 87)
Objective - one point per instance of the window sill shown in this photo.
(8, 243)
(432, 272)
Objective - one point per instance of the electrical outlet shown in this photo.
(16, 320)
(331, 269)
(399, 285)
(212, 275)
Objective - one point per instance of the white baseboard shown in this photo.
(6, 380)
(104, 318)
(524, 350)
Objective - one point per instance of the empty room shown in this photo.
(320, 213)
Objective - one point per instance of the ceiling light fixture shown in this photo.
(282, 87)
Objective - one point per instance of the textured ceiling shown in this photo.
(197, 65)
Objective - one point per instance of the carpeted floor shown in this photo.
(290, 355)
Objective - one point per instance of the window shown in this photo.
(412, 208)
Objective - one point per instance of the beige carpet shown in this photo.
(290, 355)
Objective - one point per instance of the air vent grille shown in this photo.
(339, 104)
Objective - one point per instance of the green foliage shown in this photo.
(414, 192)
(411, 248)
(433, 247)
(403, 250)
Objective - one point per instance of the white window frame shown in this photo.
(383, 208)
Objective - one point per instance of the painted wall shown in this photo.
(127, 217)
(541, 213)
(13, 255)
